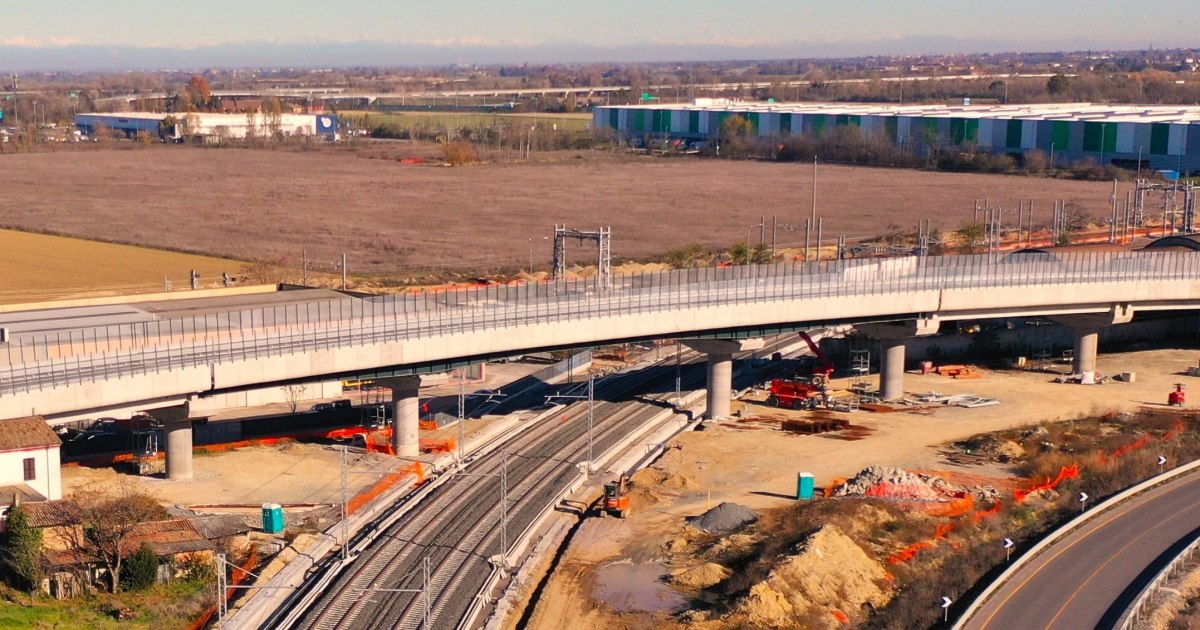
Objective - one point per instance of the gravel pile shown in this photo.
(726, 517)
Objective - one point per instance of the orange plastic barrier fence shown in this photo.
(982, 514)
(841, 616)
(911, 551)
(1179, 428)
(1067, 472)
(237, 576)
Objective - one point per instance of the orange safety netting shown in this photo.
(1175, 431)
(1129, 448)
(832, 486)
(957, 507)
(236, 577)
(982, 514)
(911, 551)
(430, 445)
(1067, 472)
(355, 504)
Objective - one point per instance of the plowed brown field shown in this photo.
(389, 216)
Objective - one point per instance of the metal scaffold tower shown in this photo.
(603, 239)
(1176, 202)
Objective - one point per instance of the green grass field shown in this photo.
(459, 120)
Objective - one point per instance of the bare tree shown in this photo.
(108, 514)
(294, 394)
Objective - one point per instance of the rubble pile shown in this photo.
(897, 483)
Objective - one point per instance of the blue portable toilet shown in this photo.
(272, 518)
(805, 485)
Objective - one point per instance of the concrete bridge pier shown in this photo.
(891, 336)
(720, 370)
(177, 425)
(1086, 329)
(406, 414)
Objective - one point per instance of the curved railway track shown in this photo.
(456, 527)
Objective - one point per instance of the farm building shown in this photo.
(210, 125)
(29, 461)
(1162, 137)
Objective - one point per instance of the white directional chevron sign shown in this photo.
(1008, 543)
(1162, 460)
(1083, 497)
(946, 601)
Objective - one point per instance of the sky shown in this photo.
(757, 28)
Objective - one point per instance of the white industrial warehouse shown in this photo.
(1161, 137)
(210, 126)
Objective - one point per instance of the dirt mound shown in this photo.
(831, 572)
(1010, 450)
(897, 483)
(661, 479)
(700, 577)
(726, 517)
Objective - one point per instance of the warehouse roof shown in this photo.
(1092, 112)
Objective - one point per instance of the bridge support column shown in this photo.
(891, 370)
(891, 365)
(1086, 329)
(177, 425)
(406, 415)
(720, 370)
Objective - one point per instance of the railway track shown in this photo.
(456, 527)
(456, 531)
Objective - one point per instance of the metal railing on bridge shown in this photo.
(92, 354)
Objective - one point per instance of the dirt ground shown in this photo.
(757, 467)
(389, 216)
(287, 473)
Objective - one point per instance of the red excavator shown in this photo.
(616, 498)
(801, 392)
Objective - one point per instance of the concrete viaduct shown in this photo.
(161, 366)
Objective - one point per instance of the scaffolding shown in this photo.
(1176, 201)
(603, 239)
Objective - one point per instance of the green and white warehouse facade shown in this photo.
(1165, 137)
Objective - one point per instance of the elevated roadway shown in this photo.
(1089, 578)
(165, 361)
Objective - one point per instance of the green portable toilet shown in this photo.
(805, 485)
(272, 518)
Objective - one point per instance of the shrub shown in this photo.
(199, 570)
(141, 570)
(459, 152)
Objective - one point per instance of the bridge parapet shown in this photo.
(239, 348)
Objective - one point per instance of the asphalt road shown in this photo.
(1087, 579)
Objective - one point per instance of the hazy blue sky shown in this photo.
(607, 23)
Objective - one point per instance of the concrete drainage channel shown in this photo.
(631, 463)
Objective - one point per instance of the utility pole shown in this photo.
(591, 409)
(678, 371)
(462, 415)
(343, 271)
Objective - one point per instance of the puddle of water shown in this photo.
(629, 587)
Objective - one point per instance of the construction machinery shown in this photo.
(804, 392)
(823, 371)
(1177, 397)
(616, 498)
